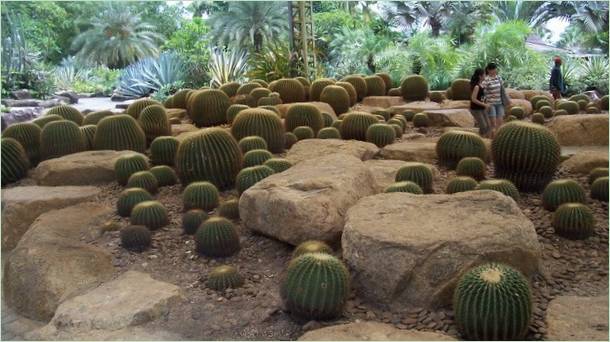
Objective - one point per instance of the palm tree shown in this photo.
(250, 23)
(406, 14)
(117, 38)
(363, 46)
(592, 16)
(464, 17)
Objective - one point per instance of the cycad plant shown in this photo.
(227, 66)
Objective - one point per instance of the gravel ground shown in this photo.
(255, 310)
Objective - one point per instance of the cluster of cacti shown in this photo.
(358, 83)
(209, 155)
(135, 237)
(398, 120)
(355, 124)
(165, 175)
(380, 134)
(421, 120)
(596, 173)
(258, 94)
(260, 122)
(304, 132)
(15, 163)
(129, 198)
(233, 110)
(546, 111)
(246, 88)
(256, 157)
(337, 97)
(67, 113)
(311, 246)
(582, 104)
(290, 139)
(375, 86)
(517, 112)
(59, 138)
(599, 189)
(317, 86)
(224, 277)
(163, 150)
(135, 108)
(538, 118)
(542, 103)
(94, 117)
(316, 286)
(304, 115)
(562, 191)
(404, 186)
(217, 237)
(473, 167)
(460, 89)
(418, 173)
(145, 180)
(179, 98)
(461, 184)
(28, 135)
(119, 132)
(414, 88)
(351, 93)
(573, 221)
(229, 88)
(192, 219)
(290, 90)
(250, 176)
(579, 97)
(151, 214)
(129, 164)
(526, 154)
(453, 146)
(229, 209)
(329, 133)
(570, 107)
(200, 195)
(252, 143)
(44, 120)
(503, 186)
(493, 302)
(208, 107)
(592, 109)
(154, 122)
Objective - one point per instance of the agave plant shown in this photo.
(272, 63)
(69, 72)
(227, 66)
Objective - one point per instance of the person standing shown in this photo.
(478, 108)
(495, 96)
(556, 85)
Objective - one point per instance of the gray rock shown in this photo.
(450, 117)
(371, 331)
(137, 333)
(21, 103)
(21, 94)
(572, 318)
(70, 95)
(421, 150)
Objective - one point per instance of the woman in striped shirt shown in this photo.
(495, 96)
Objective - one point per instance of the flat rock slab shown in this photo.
(51, 264)
(455, 104)
(83, 168)
(133, 298)
(421, 150)
(314, 148)
(307, 201)
(322, 106)
(580, 129)
(585, 161)
(383, 101)
(137, 333)
(384, 171)
(407, 249)
(450, 117)
(572, 318)
(416, 106)
(22, 205)
(371, 331)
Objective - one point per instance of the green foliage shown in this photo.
(217, 237)
(599, 189)
(472, 167)
(271, 63)
(15, 162)
(355, 125)
(260, 122)
(192, 219)
(119, 132)
(59, 138)
(439, 60)
(250, 176)
(303, 115)
(163, 150)
(256, 157)
(418, 173)
(191, 42)
(151, 214)
(360, 57)
(135, 237)
(145, 180)
(380, 134)
(224, 277)
(129, 198)
(68, 113)
(227, 66)
(28, 135)
(316, 286)
(574, 221)
(278, 164)
(404, 186)
(311, 246)
(504, 186)
(200, 195)
(493, 302)
(455, 145)
(82, 78)
(461, 184)
(329, 133)
(229, 209)
(165, 175)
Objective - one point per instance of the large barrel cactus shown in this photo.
(316, 286)
(290, 90)
(569, 106)
(200, 195)
(59, 138)
(493, 302)
(355, 124)
(44, 120)
(387, 80)
(460, 89)
(525, 153)
(414, 88)
(15, 162)
(359, 84)
(119, 132)
(233, 110)
(250, 176)
(217, 237)
(337, 97)
(380, 134)
(375, 86)
(28, 135)
(135, 108)
(351, 92)
(94, 117)
(317, 86)
(304, 115)
(574, 221)
(452, 146)
(418, 173)
(163, 150)
(179, 98)
(230, 88)
(260, 122)
(154, 122)
(208, 107)
(68, 113)
(88, 134)
(562, 191)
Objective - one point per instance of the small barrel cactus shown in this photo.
(535, 99)
(15, 163)
(596, 173)
(247, 144)
(436, 96)
(217, 237)
(224, 277)
(351, 92)
(408, 115)
(179, 98)
(599, 189)
(163, 150)
(67, 113)
(560, 112)
(316, 286)
(328, 119)
(247, 88)
(358, 83)
(337, 97)
(28, 135)
(542, 103)
(461, 184)
(260, 122)
(562, 191)
(145, 180)
(317, 86)
(208, 107)
(229, 209)
(329, 133)
(503, 186)
(471, 167)
(88, 132)
(546, 111)
(60, 138)
(278, 164)
(421, 120)
(517, 112)
(375, 86)
(418, 173)
(259, 93)
(337, 124)
(200, 195)
(128, 164)
(311, 246)
(569, 106)
(603, 102)
(250, 176)
(398, 130)
(493, 302)
(414, 88)
(154, 122)
(387, 80)
(151, 214)
(573, 221)
(582, 104)
(453, 146)
(119, 132)
(136, 237)
(233, 110)
(290, 139)
(165, 175)
(460, 89)
(256, 157)
(396, 92)
(290, 90)
(135, 108)
(303, 115)
(380, 134)
(44, 120)
(304, 132)
(538, 118)
(192, 219)
(268, 101)
(129, 198)
(355, 124)
(404, 186)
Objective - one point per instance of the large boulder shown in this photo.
(420, 150)
(585, 161)
(307, 201)
(580, 129)
(383, 101)
(322, 106)
(22, 205)
(450, 117)
(515, 94)
(572, 318)
(83, 168)
(422, 244)
(525, 104)
(371, 331)
(136, 333)
(384, 171)
(416, 106)
(456, 104)
(314, 148)
(51, 263)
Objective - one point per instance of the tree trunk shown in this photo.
(370, 64)
(436, 26)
